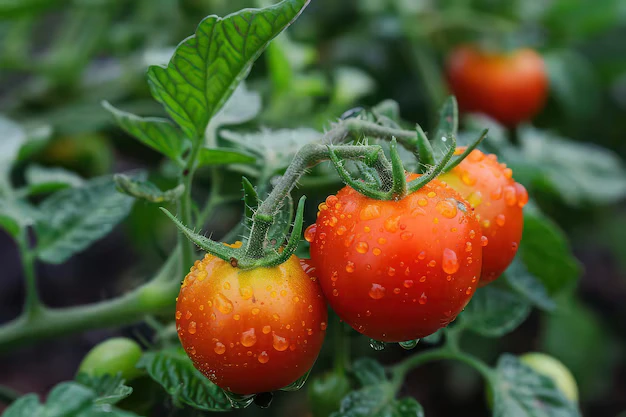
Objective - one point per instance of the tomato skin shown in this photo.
(510, 88)
(251, 331)
(381, 263)
(498, 200)
(113, 356)
(552, 368)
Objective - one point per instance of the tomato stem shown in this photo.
(32, 304)
(185, 202)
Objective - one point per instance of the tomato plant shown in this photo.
(510, 87)
(356, 228)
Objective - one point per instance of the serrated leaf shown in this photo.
(521, 392)
(46, 180)
(12, 138)
(65, 399)
(157, 133)
(173, 370)
(109, 389)
(77, 217)
(546, 253)
(377, 401)
(223, 156)
(447, 127)
(207, 67)
(528, 286)
(146, 190)
(369, 372)
(493, 312)
(282, 223)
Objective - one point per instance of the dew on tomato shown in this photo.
(397, 268)
(246, 330)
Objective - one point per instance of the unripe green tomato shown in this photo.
(326, 393)
(551, 367)
(112, 356)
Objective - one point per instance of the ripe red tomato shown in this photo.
(489, 187)
(508, 87)
(251, 331)
(397, 270)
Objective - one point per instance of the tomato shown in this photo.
(397, 270)
(552, 368)
(251, 331)
(490, 189)
(113, 356)
(326, 393)
(508, 87)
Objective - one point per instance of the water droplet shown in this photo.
(368, 313)
(484, 241)
(192, 327)
(255, 311)
(408, 283)
(371, 211)
(510, 197)
(522, 194)
(496, 194)
(246, 292)
(392, 224)
(421, 255)
(323, 325)
(409, 344)
(202, 275)
(236, 317)
(468, 291)
(467, 178)
(296, 299)
(335, 292)
(350, 266)
(472, 234)
(396, 291)
(348, 241)
(391, 271)
(486, 224)
(468, 246)
(263, 357)
(508, 173)
(322, 207)
(266, 329)
(447, 209)
(310, 308)
(422, 202)
(178, 315)
(377, 345)
(248, 338)
(362, 247)
(423, 278)
(449, 261)
(223, 304)
(332, 222)
(500, 220)
(219, 348)
(322, 236)
(331, 200)
(475, 156)
(227, 285)
(432, 263)
(309, 233)
(514, 246)
(406, 236)
(367, 229)
(376, 251)
(188, 315)
(423, 299)
(280, 343)
(475, 198)
(341, 230)
(432, 194)
(377, 291)
(276, 317)
(382, 240)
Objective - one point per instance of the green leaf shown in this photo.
(66, 399)
(108, 388)
(528, 286)
(578, 172)
(12, 138)
(46, 180)
(157, 133)
(351, 84)
(146, 190)
(377, 401)
(207, 67)
(447, 128)
(243, 106)
(173, 370)
(434, 338)
(494, 312)
(369, 372)
(76, 217)
(223, 156)
(274, 148)
(282, 223)
(521, 392)
(546, 253)
(16, 215)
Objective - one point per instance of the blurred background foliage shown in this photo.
(59, 59)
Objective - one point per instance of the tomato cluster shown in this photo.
(395, 270)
